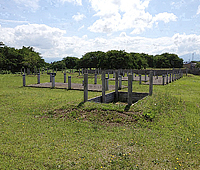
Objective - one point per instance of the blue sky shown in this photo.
(60, 28)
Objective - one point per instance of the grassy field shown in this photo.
(53, 129)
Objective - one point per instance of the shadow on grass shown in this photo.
(80, 104)
(126, 109)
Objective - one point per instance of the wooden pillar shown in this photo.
(53, 80)
(140, 79)
(107, 84)
(95, 78)
(64, 77)
(38, 78)
(69, 83)
(130, 81)
(103, 87)
(85, 87)
(151, 83)
(116, 86)
(50, 77)
(167, 79)
(163, 78)
(24, 79)
(120, 82)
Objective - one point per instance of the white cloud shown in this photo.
(119, 15)
(78, 17)
(78, 2)
(166, 17)
(52, 42)
(33, 4)
(198, 10)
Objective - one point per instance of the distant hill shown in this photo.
(188, 57)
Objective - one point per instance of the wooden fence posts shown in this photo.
(120, 82)
(24, 80)
(151, 83)
(95, 78)
(85, 87)
(130, 81)
(38, 78)
(53, 80)
(69, 82)
(103, 87)
(116, 86)
(64, 77)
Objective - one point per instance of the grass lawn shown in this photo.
(44, 128)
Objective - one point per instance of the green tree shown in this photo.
(70, 62)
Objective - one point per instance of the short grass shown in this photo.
(53, 129)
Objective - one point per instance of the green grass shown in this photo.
(52, 129)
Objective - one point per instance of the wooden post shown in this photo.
(170, 77)
(167, 79)
(163, 76)
(85, 87)
(151, 83)
(64, 77)
(38, 78)
(103, 87)
(130, 81)
(95, 78)
(53, 80)
(120, 82)
(24, 79)
(145, 78)
(69, 83)
(107, 85)
(116, 86)
(140, 79)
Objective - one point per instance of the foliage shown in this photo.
(120, 59)
(14, 59)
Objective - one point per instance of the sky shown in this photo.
(61, 28)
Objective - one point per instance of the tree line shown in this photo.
(115, 59)
(14, 59)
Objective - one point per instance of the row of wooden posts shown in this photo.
(118, 83)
